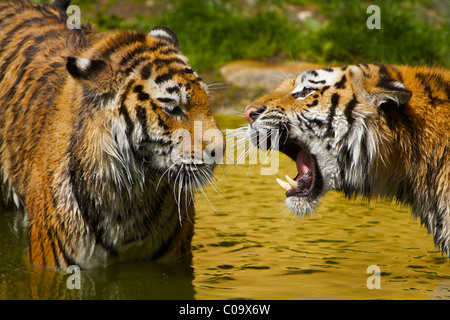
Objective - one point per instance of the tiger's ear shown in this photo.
(379, 90)
(85, 69)
(95, 74)
(61, 4)
(166, 34)
(393, 92)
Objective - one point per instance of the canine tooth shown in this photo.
(293, 183)
(286, 186)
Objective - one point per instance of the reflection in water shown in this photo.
(130, 280)
(252, 247)
(140, 280)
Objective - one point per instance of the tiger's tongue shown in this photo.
(304, 163)
(302, 183)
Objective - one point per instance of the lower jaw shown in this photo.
(301, 206)
(304, 205)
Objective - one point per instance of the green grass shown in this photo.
(213, 32)
(217, 35)
(403, 38)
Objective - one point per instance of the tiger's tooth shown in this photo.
(291, 182)
(286, 186)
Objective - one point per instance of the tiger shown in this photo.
(96, 138)
(374, 131)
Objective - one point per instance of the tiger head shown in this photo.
(332, 122)
(148, 108)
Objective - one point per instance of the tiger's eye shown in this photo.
(303, 93)
(175, 112)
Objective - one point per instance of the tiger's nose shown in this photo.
(252, 113)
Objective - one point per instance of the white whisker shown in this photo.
(167, 170)
(199, 185)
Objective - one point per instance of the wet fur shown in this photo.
(85, 137)
(376, 130)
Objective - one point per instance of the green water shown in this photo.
(253, 248)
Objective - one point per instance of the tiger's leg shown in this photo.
(44, 230)
(43, 250)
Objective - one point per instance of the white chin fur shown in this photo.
(301, 206)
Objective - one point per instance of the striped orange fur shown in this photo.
(86, 135)
(374, 130)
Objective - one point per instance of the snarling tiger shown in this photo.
(96, 138)
(372, 130)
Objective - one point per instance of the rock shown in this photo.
(303, 15)
(263, 75)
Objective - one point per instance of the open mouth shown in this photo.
(308, 181)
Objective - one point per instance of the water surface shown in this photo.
(249, 246)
